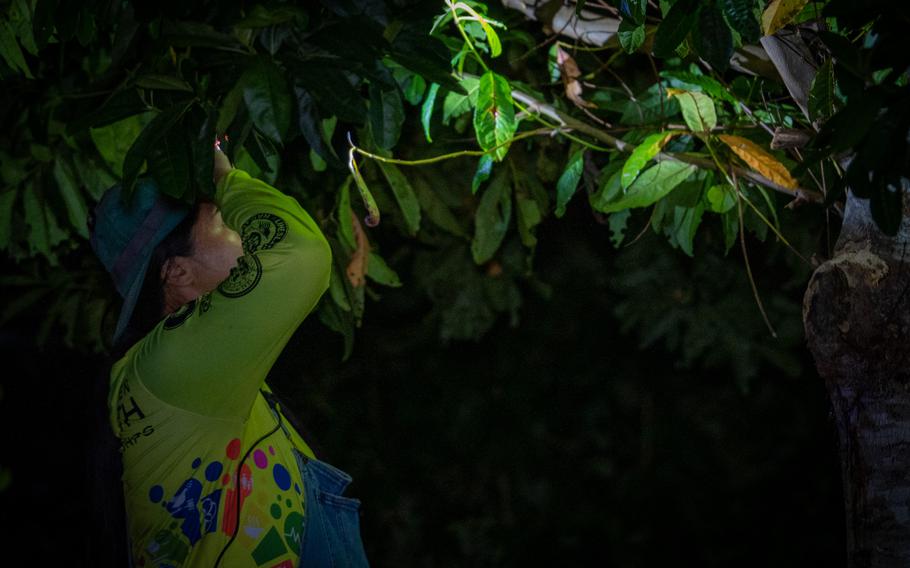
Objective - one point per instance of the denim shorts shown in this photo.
(331, 535)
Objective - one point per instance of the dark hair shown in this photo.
(108, 543)
(150, 306)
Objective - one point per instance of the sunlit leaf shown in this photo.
(721, 198)
(426, 110)
(567, 184)
(697, 109)
(652, 185)
(779, 13)
(494, 115)
(759, 160)
(456, 104)
(643, 153)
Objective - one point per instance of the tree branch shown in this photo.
(598, 134)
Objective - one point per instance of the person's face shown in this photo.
(216, 248)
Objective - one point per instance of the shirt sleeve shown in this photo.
(213, 354)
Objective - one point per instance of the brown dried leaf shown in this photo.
(759, 160)
(357, 268)
(570, 73)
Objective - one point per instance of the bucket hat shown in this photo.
(125, 232)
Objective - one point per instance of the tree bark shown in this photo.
(856, 312)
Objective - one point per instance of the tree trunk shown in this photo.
(857, 318)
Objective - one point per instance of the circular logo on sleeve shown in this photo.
(179, 317)
(243, 278)
(262, 231)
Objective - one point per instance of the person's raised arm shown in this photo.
(213, 355)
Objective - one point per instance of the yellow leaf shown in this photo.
(779, 13)
(759, 160)
(671, 92)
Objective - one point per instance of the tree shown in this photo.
(699, 111)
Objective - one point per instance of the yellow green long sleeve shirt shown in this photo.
(187, 405)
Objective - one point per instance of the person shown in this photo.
(213, 472)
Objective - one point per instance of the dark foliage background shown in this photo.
(560, 441)
(625, 407)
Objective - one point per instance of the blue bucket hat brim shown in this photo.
(126, 234)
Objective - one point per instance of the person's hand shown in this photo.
(222, 164)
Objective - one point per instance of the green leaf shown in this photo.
(822, 93)
(345, 223)
(386, 115)
(456, 104)
(369, 202)
(378, 271)
(229, 106)
(642, 154)
(169, 163)
(338, 290)
(617, 222)
(675, 27)
(261, 17)
(424, 55)
(697, 110)
(7, 200)
(652, 185)
(308, 122)
(492, 217)
(713, 39)
(482, 173)
(163, 83)
(730, 224)
(436, 209)
(332, 317)
(691, 82)
(404, 195)
(528, 216)
(567, 184)
(721, 198)
(686, 221)
(740, 14)
(332, 91)
(426, 110)
(267, 99)
(9, 49)
(44, 232)
(631, 35)
(113, 141)
(492, 39)
(72, 197)
(317, 162)
(494, 115)
(147, 140)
